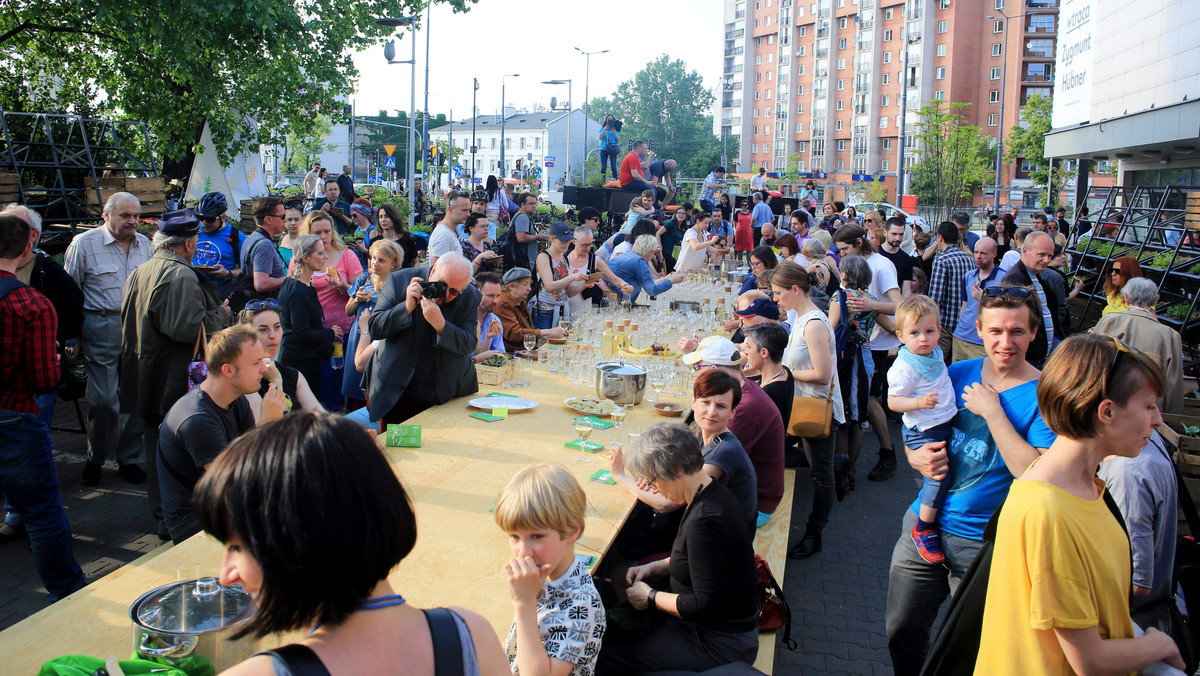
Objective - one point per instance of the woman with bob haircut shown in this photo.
(289, 500)
(710, 608)
(1058, 592)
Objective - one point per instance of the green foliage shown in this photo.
(276, 61)
(1180, 312)
(876, 192)
(1117, 250)
(668, 103)
(592, 170)
(1027, 140)
(1194, 270)
(1161, 260)
(954, 157)
(1083, 243)
(299, 152)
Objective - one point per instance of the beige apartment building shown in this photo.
(827, 81)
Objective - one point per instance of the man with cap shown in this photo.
(513, 311)
(753, 310)
(101, 260)
(756, 421)
(165, 307)
(479, 202)
(219, 247)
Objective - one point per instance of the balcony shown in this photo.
(740, 14)
(734, 51)
(1041, 4)
(821, 72)
(731, 103)
(1037, 77)
(732, 35)
(821, 53)
(823, 32)
(1040, 24)
(862, 87)
(781, 116)
(866, 4)
(860, 130)
(1039, 51)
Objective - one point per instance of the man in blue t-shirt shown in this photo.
(219, 247)
(712, 183)
(660, 176)
(997, 434)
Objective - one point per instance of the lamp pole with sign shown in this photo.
(569, 111)
(389, 53)
(503, 116)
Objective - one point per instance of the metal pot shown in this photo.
(685, 306)
(621, 382)
(737, 277)
(730, 265)
(187, 624)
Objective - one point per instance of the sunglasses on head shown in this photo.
(267, 303)
(1014, 291)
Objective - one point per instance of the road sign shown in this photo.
(390, 162)
(549, 161)
(390, 148)
(458, 171)
(862, 177)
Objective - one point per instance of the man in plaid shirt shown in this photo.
(28, 366)
(950, 267)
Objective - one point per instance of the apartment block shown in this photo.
(837, 83)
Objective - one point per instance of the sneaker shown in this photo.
(133, 474)
(91, 474)
(929, 545)
(885, 468)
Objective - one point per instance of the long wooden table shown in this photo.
(453, 481)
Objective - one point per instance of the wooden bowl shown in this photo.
(668, 409)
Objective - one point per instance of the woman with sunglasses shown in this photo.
(306, 342)
(1121, 270)
(262, 316)
(761, 258)
(582, 260)
(1058, 592)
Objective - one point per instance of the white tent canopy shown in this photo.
(244, 179)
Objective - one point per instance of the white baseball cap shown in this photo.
(717, 350)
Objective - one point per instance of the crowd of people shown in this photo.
(207, 350)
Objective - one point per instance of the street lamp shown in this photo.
(1003, 92)
(569, 111)
(389, 53)
(503, 116)
(587, 72)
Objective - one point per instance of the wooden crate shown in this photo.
(494, 376)
(1191, 217)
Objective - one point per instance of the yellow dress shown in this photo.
(1059, 561)
(1115, 304)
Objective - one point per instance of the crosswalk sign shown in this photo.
(390, 163)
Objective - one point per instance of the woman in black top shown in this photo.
(390, 226)
(710, 613)
(262, 316)
(763, 352)
(306, 342)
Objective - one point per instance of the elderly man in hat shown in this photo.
(166, 306)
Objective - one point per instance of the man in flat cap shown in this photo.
(166, 304)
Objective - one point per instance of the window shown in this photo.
(755, 130)
(997, 26)
(943, 26)
(801, 70)
(756, 113)
(754, 147)
(887, 14)
(770, 38)
(994, 96)
(842, 23)
(768, 74)
(758, 59)
(841, 165)
(802, 51)
(508, 143)
(883, 122)
(941, 50)
(800, 87)
(999, 4)
(838, 105)
(799, 127)
(767, 22)
(841, 84)
(758, 77)
(884, 164)
(887, 143)
(842, 43)
(756, 95)
(1039, 72)
(883, 101)
(799, 108)
(841, 144)
(768, 94)
(940, 73)
(803, 31)
(493, 144)
(993, 119)
(1041, 23)
(996, 49)
(758, 42)
(887, 35)
(522, 143)
(756, 23)
(943, 4)
(841, 64)
(803, 146)
(887, 57)
(995, 74)
(939, 95)
(1040, 49)
(887, 78)
(837, 125)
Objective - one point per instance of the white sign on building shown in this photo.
(1076, 61)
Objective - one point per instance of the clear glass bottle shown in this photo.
(607, 338)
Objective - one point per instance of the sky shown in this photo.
(535, 38)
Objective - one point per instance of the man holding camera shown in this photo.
(426, 319)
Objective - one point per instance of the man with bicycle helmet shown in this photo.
(479, 202)
(220, 245)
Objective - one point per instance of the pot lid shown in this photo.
(618, 368)
(193, 606)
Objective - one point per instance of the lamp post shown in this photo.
(425, 116)
(474, 117)
(389, 53)
(503, 116)
(1003, 93)
(587, 73)
(569, 111)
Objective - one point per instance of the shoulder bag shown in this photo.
(198, 368)
(812, 417)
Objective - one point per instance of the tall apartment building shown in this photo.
(827, 80)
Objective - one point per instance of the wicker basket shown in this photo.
(494, 375)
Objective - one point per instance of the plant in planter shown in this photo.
(1179, 312)
(1194, 270)
(1083, 243)
(1160, 260)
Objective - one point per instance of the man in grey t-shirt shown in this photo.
(524, 228)
(260, 258)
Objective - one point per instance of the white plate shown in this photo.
(511, 403)
(566, 402)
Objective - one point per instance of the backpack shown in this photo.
(243, 288)
(515, 254)
(774, 611)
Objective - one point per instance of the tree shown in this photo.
(1028, 141)
(667, 103)
(954, 157)
(278, 62)
(299, 152)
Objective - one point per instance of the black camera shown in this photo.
(433, 290)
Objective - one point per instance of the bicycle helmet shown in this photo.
(479, 196)
(213, 205)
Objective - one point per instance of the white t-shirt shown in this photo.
(905, 381)
(689, 258)
(443, 241)
(758, 182)
(1010, 258)
(883, 279)
(622, 248)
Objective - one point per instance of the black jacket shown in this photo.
(1038, 349)
(65, 295)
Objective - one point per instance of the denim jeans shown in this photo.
(605, 158)
(642, 186)
(819, 453)
(30, 484)
(544, 319)
(45, 414)
(916, 590)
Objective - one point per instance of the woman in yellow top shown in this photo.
(1120, 271)
(1058, 595)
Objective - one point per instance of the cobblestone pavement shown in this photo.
(837, 596)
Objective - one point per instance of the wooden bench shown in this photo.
(771, 543)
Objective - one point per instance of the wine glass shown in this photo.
(583, 430)
(564, 323)
(618, 416)
(657, 382)
(531, 342)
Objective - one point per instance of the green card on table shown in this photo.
(403, 436)
(603, 476)
(596, 422)
(588, 446)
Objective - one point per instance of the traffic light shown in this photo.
(433, 154)
(518, 165)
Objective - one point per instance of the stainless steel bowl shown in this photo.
(623, 383)
(188, 624)
(685, 306)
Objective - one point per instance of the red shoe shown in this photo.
(929, 545)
